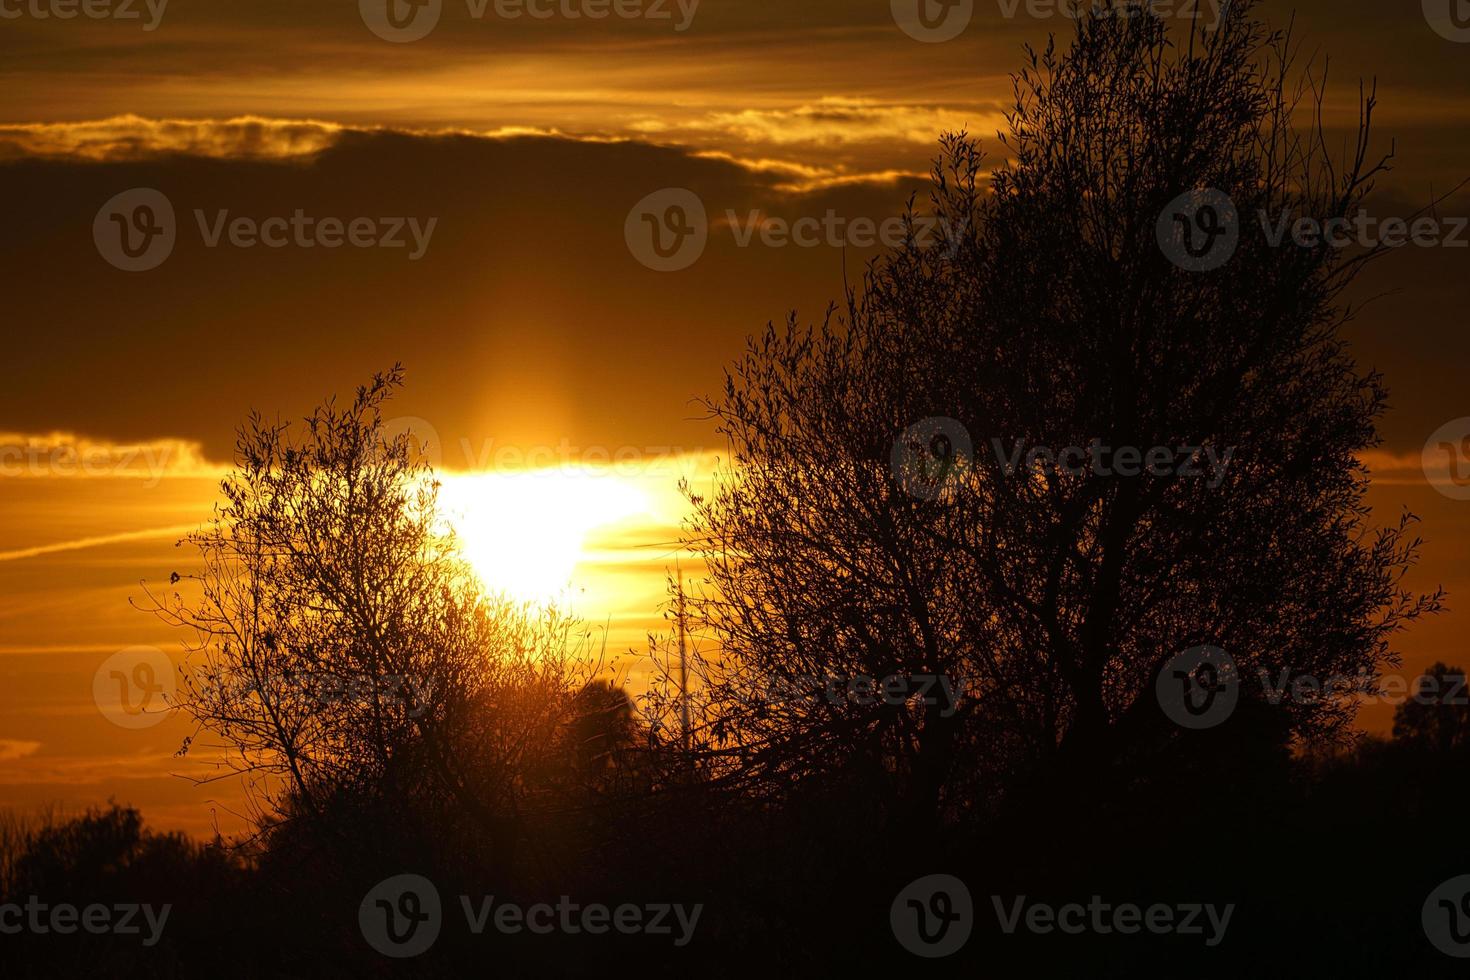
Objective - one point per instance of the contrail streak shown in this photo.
(96, 542)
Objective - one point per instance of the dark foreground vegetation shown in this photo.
(1328, 860)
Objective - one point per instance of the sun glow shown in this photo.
(526, 533)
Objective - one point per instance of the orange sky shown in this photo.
(527, 322)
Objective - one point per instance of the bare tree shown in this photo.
(345, 651)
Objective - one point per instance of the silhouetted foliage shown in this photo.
(347, 659)
(1051, 317)
(1436, 715)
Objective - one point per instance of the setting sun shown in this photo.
(525, 533)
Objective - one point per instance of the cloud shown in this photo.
(833, 119)
(805, 179)
(65, 454)
(131, 137)
(529, 320)
(135, 138)
(12, 749)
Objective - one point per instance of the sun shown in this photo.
(525, 533)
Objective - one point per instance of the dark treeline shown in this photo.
(870, 527)
(1328, 858)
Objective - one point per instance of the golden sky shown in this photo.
(527, 322)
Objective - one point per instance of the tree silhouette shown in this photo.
(346, 657)
(1052, 315)
(1437, 714)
